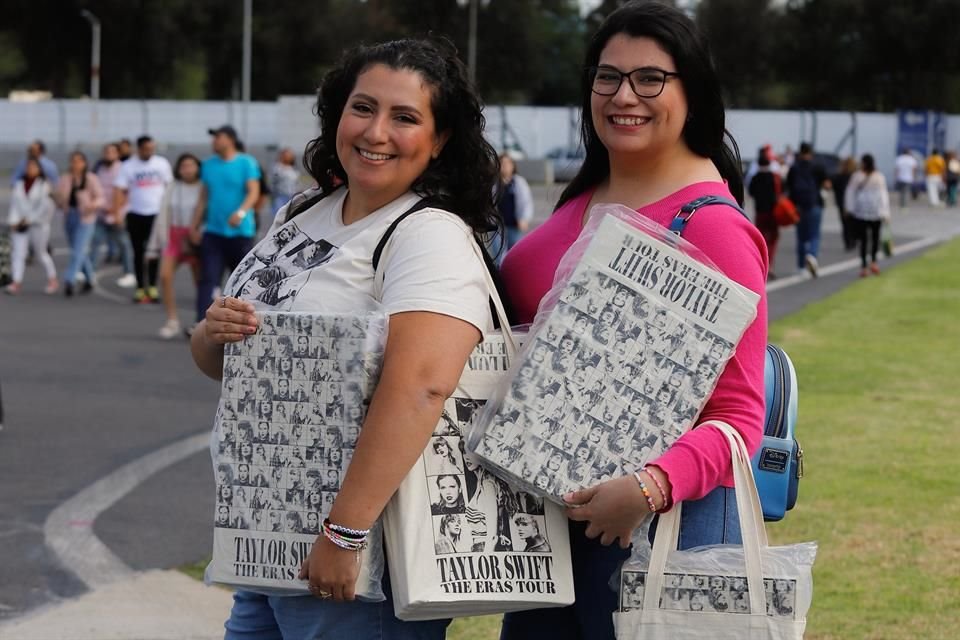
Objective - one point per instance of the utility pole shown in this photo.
(247, 55)
(94, 53)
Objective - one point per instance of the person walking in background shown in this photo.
(170, 238)
(953, 177)
(868, 201)
(284, 179)
(905, 167)
(109, 229)
(515, 202)
(766, 151)
(805, 179)
(840, 180)
(139, 189)
(80, 196)
(31, 210)
(126, 149)
(764, 188)
(36, 151)
(935, 168)
(230, 190)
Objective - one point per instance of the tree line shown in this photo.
(868, 55)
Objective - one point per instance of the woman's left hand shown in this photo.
(331, 570)
(613, 509)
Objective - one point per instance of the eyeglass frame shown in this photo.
(592, 74)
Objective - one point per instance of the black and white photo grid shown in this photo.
(709, 593)
(472, 509)
(612, 379)
(293, 399)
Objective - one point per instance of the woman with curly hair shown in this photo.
(401, 143)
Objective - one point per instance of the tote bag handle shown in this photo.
(509, 339)
(751, 525)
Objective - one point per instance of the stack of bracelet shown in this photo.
(345, 537)
(646, 492)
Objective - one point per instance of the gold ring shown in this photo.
(320, 593)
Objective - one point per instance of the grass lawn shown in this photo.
(877, 365)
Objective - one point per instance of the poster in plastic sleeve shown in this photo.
(460, 539)
(293, 399)
(622, 356)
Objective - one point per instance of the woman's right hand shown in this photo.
(229, 320)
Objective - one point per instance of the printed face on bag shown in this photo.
(387, 136)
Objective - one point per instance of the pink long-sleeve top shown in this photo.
(698, 461)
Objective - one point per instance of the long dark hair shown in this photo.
(704, 131)
(463, 177)
(868, 164)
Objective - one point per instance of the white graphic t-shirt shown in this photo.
(316, 263)
(144, 181)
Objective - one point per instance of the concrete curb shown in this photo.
(153, 605)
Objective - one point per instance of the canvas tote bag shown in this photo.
(722, 592)
(461, 541)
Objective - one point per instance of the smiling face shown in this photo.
(628, 124)
(387, 136)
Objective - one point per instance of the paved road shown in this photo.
(87, 388)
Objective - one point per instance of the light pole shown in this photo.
(472, 37)
(94, 53)
(247, 55)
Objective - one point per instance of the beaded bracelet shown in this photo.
(350, 542)
(656, 481)
(646, 492)
(362, 533)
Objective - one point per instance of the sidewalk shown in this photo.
(154, 605)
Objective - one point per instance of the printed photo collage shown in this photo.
(710, 593)
(611, 380)
(293, 400)
(474, 511)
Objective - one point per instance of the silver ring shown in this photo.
(223, 301)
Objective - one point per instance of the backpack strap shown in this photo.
(488, 261)
(303, 201)
(679, 222)
(378, 251)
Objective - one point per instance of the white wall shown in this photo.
(290, 122)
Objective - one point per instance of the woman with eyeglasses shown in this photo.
(653, 130)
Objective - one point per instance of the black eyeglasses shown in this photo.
(646, 82)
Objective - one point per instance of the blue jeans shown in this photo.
(808, 234)
(710, 520)
(111, 234)
(216, 254)
(79, 235)
(259, 617)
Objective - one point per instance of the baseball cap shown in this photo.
(226, 129)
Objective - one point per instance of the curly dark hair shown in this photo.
(463, 178)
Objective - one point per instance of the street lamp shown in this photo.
(472, 37)
(94, 53)
(247, 56)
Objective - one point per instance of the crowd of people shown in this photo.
(860, 191)
(131, 207)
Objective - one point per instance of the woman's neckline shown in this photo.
(589, 195)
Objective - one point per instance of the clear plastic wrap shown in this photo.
(624, 352)
(728, 592)
(293, 399)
